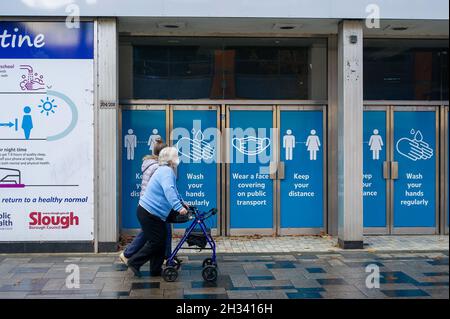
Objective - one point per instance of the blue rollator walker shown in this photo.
(197, 234)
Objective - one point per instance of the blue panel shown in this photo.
(301, 135)
(374, 185)
(46, 40)
(414, 149)
(195, 134)
(143, 124)
(251, 189)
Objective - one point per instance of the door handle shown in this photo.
(281, 168)
(386, 170)
(394, 170)
(273, 170)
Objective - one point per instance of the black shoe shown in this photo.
(178, 260)
(155, 273)
(136, 271)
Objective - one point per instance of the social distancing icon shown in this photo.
(152, 139)
(312, 145)
(376, 144)
(130, 144)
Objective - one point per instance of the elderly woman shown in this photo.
(161, 198)
(149, 167)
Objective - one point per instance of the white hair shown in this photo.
(168, 156)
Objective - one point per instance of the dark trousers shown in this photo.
(139, 242)
(155, 232)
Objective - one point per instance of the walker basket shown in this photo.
(198, 238)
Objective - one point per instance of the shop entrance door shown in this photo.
(195, 132)
(400, 177)
(140, 126)
(275, 175)
(301, 174)
(250, 183)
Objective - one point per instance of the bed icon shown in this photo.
(10, 178)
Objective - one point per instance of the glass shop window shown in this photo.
(405, 69)
(230, 68)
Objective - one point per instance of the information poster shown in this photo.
(251, 189)
(46, 132)
(302, 148)
(415, 188)
(195, 135)
(374, 155)
(140, 130)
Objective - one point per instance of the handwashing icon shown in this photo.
(251, 145)
(31, 81)
(414, 149)
(196, 148)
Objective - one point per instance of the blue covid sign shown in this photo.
(374, 155)
(302, 151)
(140, 129)
(251, 189)
(196, 137)
(414, 150)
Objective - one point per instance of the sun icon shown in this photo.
(47, 106)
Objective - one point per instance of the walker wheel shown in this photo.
(207, 262)
(176, 263)
(170, 274)
(209, 273)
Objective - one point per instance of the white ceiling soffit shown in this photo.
(303, 9)
(278, 27)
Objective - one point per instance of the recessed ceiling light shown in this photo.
(286, 26)
(172, 25)
(399, 28)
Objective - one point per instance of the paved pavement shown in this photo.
(339, 274)
(254, 244)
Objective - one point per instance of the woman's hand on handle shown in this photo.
(183, 211)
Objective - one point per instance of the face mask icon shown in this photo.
(251, 145)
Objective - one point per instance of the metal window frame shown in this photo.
(445, 145)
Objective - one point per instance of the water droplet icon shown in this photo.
(418, 136)
(199, 136)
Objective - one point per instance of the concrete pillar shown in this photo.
(332, 122)
(350, 134)
(106, 126)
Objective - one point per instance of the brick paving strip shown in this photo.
(260, 244)
(330, 273)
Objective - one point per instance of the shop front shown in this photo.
(298, 120)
